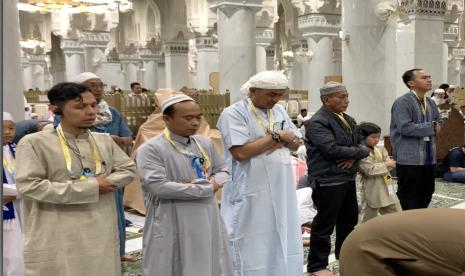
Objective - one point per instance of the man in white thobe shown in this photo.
(180, 173)
(67, 176)
(259, 205)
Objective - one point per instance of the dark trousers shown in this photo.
(415, 185)
(336, 206)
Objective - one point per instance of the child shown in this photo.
(377, 187)
(13, 263)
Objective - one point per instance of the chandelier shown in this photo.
(75, 6)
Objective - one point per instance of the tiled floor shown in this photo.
(447, 195)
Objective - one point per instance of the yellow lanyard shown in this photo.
(259, 120)
(9, 166)
(422, 106)
(67, 154)
(207, 162)
(379, 158)
(344, 121)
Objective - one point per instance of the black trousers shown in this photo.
(415, 185)
(336, 207)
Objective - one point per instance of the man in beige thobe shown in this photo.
(67, 176)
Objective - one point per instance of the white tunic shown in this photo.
(259, 205)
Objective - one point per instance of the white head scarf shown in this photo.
(7, 116)
(266, 80)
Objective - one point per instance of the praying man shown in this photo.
(259, 205)
(180, 173)
(67, 176)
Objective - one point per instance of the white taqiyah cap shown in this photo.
(85, 77)
(7, 116)
(174, 99)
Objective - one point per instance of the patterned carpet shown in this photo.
(446, 195)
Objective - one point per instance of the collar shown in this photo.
(82, 135)
(180, 139)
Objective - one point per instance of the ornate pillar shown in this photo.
(74, 58)
(176, 64)
(452, 55)
(263, 38)
(94, 44)
(27, 72)
(149, 68)
(130, 65)
(319, 30)
(39, 71)
(457, 56)
(270, 55)
(237, 49)
(207, 61)
(12, 78)
(420, 41)
(368, 62)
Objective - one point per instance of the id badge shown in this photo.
(426, 139)
(278, 126)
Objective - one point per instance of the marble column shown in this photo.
(39, 71)
(176, 64)
(13, 98)
(74, 58)
(319, 30)
(368, 62)
(207, 61)
(455, 66)
(27, 74)
(237, 49)
(161, 73)
(94, 45)
(420, 41)
(150, 68)
(130, 64)
(263, 38)
(270, 53)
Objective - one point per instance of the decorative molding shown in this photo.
(147, 54)
(451, 33)
(71, 46)
(270, 52)
(457, 53)
(94, 39)
(176, 48)
(318, 25)
(229, 7)
(264, 36)
(205, 42)
(425, 7)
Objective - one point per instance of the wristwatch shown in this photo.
(275, 136)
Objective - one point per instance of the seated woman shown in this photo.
(454, 162)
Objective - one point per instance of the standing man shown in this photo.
(67, 176)
(415, 122)
(13, 261)
(333, 150)
(259, 205)
(136, 88)
(180, 173)
(109, 121)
